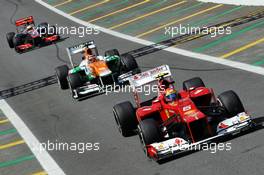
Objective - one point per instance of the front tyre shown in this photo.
(231, 103)
(128, 63)
(113, 52)
(62, 73)
(10, 38)
(148, 132)
(125, 117)
(75, 80)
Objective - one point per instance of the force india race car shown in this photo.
(95, 72)
(195, 117)
(29, 36)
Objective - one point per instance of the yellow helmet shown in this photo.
(170, 94)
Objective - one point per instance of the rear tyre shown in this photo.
(149, 132)
(193, 83)
(125, 117)
(52, 30)
(10, 38)
(62, 73)
(231, 103)
(43, 28)
(112, 52)
(43, 24)
(128, 62)
(75, 80)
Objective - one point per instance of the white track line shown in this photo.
(237, 2)
(46, 161)
(238, 65)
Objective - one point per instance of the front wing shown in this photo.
(95, 89)
(47, 40)
(175, 146)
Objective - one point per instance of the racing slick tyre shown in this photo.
(43, 28)
(113, 65)
(148, 132)
(62, 73)
(193, 83)
(10, 38)
(43, 24)
(128, 62)
(52, 30)
(125, 117)
(75, 80)
(231, 103)
(112, 52)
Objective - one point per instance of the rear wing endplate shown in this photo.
(79, 47)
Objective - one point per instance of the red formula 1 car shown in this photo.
(29, 36)
(192, 116)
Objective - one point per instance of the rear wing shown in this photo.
(149, 76)
(28, 20)
(79, 48)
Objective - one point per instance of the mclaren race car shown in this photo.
(94, 73)
(174, 122)
(29, 36)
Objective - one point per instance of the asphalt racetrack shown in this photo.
(51, 114)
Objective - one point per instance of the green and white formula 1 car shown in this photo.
(94, 72)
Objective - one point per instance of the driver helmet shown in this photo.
(29, 27)
(88, 51)
(170, 95)
(89, 55)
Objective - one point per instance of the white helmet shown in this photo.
(29, 27)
